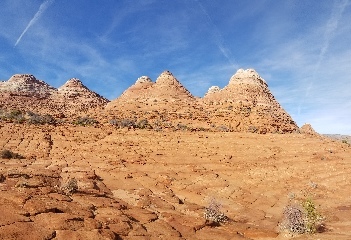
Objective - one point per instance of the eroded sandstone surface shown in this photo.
(153, 163)
(144, 184)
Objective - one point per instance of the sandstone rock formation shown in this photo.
(25, 92)
(162, 102)
(26, 85)
(247, 105)
(212, 89)
(166, 88)
(157, 185)
(308, 129)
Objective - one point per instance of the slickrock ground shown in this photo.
(84, 175)
(144, 184)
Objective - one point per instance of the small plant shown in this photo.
(293, 219)
(14, 116)
(37, 119)
(85, 121)
(213, 213)
(252, 129)
(312, 218)
(223, 128)
(70, 187)
(143, 124)
(301, 218)
(182, 127)
(7, 154)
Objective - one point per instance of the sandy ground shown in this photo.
(143, 184)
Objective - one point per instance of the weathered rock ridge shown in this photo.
(245, 104)
(166, 88)
(25, 92)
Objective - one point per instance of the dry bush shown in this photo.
(70, 187)
(8, 154)
(301, 218)
(214, 214)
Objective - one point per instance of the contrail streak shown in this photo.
(216, 34)
(331, 26)
(41, 10)
(329, 33)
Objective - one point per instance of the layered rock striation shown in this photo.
(25, 92)
(247, 104)
(244, 105)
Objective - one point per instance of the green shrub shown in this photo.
(312, 217)
(301, 218)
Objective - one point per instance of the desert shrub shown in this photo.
(85, 121)
(37, 119)
(182, 127)
(252, 129)
(312, 218)
(8, 154)
(123, 123)
(301, 218)
(223, 128)
(70, 187)
(293, 219)
(14, 116)
(143, 124)
(214, 214)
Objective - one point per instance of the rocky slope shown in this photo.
(166, 88)
(25, 92)
(247, 104)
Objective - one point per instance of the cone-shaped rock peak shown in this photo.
(248, 76)
(26, 84)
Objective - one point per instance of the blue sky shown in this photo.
(302, 48)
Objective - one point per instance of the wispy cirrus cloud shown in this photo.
(36, 17)
(331, 27)
(217, 35)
